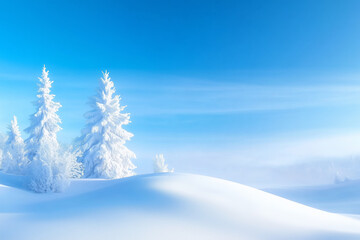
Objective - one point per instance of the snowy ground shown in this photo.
(162, 206)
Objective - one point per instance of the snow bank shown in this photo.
(162, 206)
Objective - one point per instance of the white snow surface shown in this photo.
(161, 206)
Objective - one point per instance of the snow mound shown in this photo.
(162, 206)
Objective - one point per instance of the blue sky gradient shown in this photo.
(207, 83)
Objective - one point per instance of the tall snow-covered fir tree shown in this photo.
(104, 154)
(14, 160)
(42, 148)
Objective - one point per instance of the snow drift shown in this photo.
(161, 206)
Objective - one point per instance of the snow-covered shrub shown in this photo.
(46, 166)
(102, 144)
(159, 164)
(13, 160)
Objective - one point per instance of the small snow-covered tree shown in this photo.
(102, 144)
(47, 172)
(14, 160)
(159, 164)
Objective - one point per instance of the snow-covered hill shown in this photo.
(338, 198)
(162, 206)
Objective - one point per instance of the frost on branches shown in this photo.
(104, 154)
(48, 170)
(13, 160)
(159, 164)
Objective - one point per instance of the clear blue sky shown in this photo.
(208, 83)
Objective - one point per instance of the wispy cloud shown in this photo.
(236, 98)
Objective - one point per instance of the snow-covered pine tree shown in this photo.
(159, 164)
(42, 148)
(102, 144)
(14, 160)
